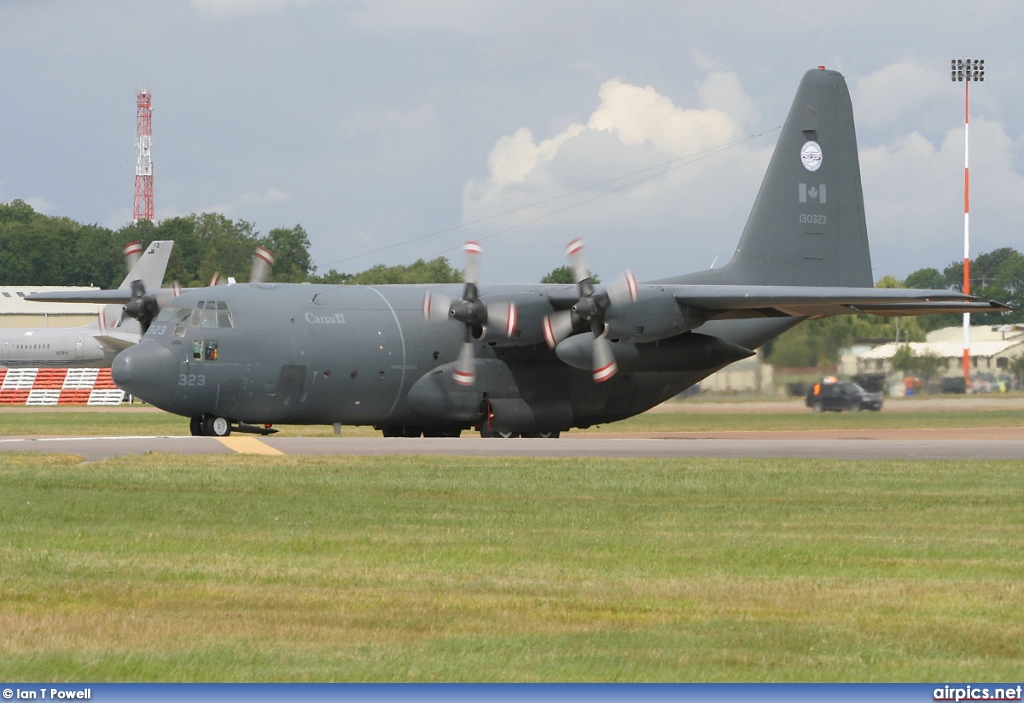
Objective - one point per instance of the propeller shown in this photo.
(590, 310)
(262, 263)
(471, 312)
(143, 306)
(132, 252)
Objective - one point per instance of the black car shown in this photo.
(842, 396)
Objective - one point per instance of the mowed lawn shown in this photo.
(166, 568)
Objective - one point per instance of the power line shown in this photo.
(658, 169)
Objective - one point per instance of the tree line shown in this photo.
(37, 249)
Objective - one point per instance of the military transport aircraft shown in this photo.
(95, 344)
(531, 360)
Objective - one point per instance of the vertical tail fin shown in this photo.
(807, 225)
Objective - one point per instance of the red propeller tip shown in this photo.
(512, 321)
(605, 372)
(574, 247)
(463, 378)
(264, 254)
(549, 333)
(631, 286)
(473, 248)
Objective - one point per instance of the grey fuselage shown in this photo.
(365, 355)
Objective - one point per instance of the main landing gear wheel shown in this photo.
(214, 426)
(489, 434)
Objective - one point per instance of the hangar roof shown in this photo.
(12, 302)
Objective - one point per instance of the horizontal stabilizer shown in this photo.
(738, 302)
(934, 308)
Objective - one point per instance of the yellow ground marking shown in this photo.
(247, 445)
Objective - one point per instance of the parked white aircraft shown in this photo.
(94, 345)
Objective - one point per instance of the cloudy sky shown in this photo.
(396, 130)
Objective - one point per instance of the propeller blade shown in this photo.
(473, 251)
(216, 280)
(604, 358)
(166, 295)
(574, 252)
(503, 316)
(262, 262)
(465, 367)
(132, 252)
(557, 326)
(436, 306)
(623, 290)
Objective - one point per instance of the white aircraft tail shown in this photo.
(149, 268)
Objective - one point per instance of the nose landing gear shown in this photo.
(210, 426)
(216, 426)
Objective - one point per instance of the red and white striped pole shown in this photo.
(966, 70)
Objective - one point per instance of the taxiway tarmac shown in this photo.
(860, 446)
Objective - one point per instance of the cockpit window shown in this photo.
(173, 314)
(207, 314)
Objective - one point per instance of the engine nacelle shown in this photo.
(690, 351)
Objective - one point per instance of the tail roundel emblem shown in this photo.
(810, 155)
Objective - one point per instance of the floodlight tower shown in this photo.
(144, 160)
(964, 71)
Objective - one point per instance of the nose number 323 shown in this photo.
(191, 379)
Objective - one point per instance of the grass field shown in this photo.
(385, 569)
(146, 421)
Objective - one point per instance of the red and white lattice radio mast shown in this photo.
(144, 161)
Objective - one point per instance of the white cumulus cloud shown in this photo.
(632, 129)
(897, 89)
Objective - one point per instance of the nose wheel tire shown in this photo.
(214, 426)
(196, 426)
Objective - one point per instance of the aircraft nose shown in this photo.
(148, 371)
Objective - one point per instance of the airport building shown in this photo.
(18, 313)
(992, 350)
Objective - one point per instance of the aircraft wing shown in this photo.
(114, 342)
(738, 301)
(103, 297)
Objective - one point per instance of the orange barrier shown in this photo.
(49, 386)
